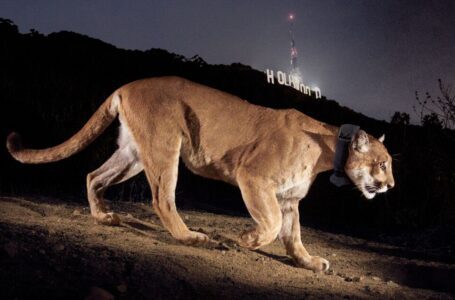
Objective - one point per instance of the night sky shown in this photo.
(369, 55)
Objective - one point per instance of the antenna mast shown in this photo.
(295, 71)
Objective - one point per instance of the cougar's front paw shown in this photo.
(111, 219)
(194, 238)
(314, 263)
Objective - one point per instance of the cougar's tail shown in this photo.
(100, 120)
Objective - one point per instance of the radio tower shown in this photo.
(295, 71)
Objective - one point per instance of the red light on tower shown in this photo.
(291, 17)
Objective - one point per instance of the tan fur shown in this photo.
(92, 129)
(273, 156)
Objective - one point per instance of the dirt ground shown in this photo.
(52, 249)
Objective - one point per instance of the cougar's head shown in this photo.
(369, 165)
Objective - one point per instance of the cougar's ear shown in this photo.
(381, 138)
(361, 143)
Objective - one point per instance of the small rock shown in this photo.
(330, 272)
(217, 236)
(334, 254)
(187, 218)
(130, 216)
(97, 293)
(391, 283)
(11, 248)
(222, 246)
(76, 212)
(376, 278)
(122, 288)
(223, 252)
(357, 278)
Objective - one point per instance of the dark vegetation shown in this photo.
(437, 111)
(51, 84)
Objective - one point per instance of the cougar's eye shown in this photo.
(382, 165)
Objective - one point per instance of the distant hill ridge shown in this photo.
(236, 78)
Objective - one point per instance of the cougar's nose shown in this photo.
(391, 184)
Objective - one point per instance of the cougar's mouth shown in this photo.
(376, 187)
(368, 191)
(371, 189)
(362, 182)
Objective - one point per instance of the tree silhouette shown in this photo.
(432, 120)
(7, 27)
(439, 112)
(400, 118)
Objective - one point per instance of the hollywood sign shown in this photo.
(294, 81)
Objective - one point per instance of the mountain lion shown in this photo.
(273, 156)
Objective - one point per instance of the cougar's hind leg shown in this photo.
(161, 168)
(262, 204)
(122, 165)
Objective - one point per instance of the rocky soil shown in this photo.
(53, 249)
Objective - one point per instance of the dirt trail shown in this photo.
(53, 249)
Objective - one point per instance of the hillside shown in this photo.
(52, 249)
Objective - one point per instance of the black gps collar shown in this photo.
(345, 135)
